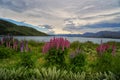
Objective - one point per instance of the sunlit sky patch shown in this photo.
(64, 16)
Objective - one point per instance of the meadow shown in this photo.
(58, 59)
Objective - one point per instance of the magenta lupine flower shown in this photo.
(57, 43)
(113, 49)
(105, 47)
(102, 48)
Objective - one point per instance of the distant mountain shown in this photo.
(67, 35)
(14, 29)
(103, 34)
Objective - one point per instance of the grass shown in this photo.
(11, 65)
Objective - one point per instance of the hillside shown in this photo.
(8, 27)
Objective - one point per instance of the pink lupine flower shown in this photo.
(57, 43)
(102, 48)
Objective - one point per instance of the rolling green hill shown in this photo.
(11, 28)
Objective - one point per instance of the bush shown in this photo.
(75, 45)
(106, 55)
(116, 64)
(27, 60)
(56, 57)
(6, 52)
(55, 51)
(104, 62)
(78, 62)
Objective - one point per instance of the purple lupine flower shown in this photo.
(77, 51)
(72, 55)
(16, 44)
(22, 46)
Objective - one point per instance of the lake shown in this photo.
(71, 39)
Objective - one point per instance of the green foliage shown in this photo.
(105, 67)
(116, 64)
(104, 62)
(27, 60)
(78, 62)
(56, 57)
(75, 45)
(52, 74)
(35, 43)
(6, 52)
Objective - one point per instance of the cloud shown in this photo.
(15, 5)
(47, 26)
(63, 14)
(93, 27)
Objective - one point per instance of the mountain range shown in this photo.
(101, 34)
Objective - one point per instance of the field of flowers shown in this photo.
(58, 59)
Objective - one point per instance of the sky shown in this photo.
(64, 16)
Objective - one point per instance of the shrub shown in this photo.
(116, 64)
(75, 45)
(78, 62)
(55, 51)
(6, 52)
(27, 60)
(106, 55)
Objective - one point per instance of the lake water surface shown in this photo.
(71, 39)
